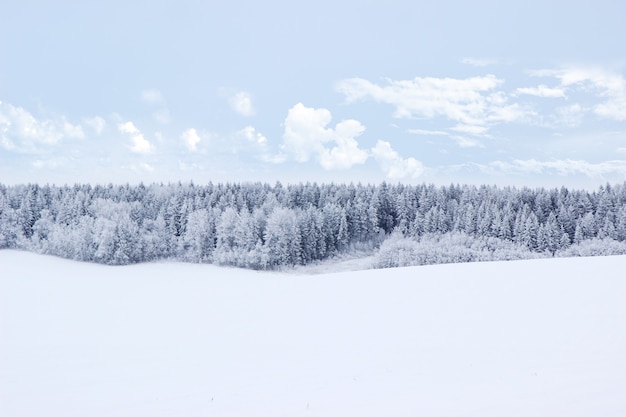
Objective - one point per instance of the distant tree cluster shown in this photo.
(263, 227)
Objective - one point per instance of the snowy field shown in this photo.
(525, 338)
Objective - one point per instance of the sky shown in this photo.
(528, 93)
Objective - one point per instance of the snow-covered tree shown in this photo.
(282, 238)
(249, 224)
(199, 237)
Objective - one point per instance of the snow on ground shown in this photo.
(347, 263)
(526, 338)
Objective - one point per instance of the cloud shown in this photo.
(614, 108)
(425, 97)
(140, 168)
(478, 62)
(561, 167)
(53, 163)
(146, 167)
(465, 142)
(346, 153)
(97, 124)
(461, 141)
(241, 103)
(471, 129)
(305, 132)
(569, 116)
(470, 102)
(139, 143)
(256, 142)
(191, 139)
(570, 76)
(427, 132)
(608, 86)
(252, 136)
(152, 97)
(542, 91)
(394, 166)
(306, 136)
(21, 131)
(161, 116)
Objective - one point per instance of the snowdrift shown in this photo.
(525, 338)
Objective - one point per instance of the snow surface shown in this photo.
(525, 338)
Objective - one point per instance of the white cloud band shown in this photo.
(306, 136)
(139, 143)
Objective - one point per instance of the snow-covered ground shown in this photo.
(525, 338)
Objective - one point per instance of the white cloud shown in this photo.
(161, 116)
(191, 139)
(542, 91)
(478, 62)
(72, 131)
(501, 113)
(140, 168)
(23, 132)
(346, 153)
(427, 132)
(426, 97)
(394, 166)
(461, 141)
(306, 135)
(470, 102)
(97, 124)
(252, 136)
(465, 142)
(190, 167)
(152, 97)
(139, 142)
(305, 132)
(255, 142)
(7, 143)
(49, 163)
(562, 167)
(146, 167)
(608, 86)
(621, 150)
(569, 116)
(570, 76)
(241, 103)
(614, 108)
(273, 159)
(159, 137)
(471, 129)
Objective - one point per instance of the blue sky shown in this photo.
(531, 93)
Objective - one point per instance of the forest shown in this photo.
(263, 226)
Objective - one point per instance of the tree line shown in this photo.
(263, 226)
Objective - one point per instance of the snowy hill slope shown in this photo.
(524, 338)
